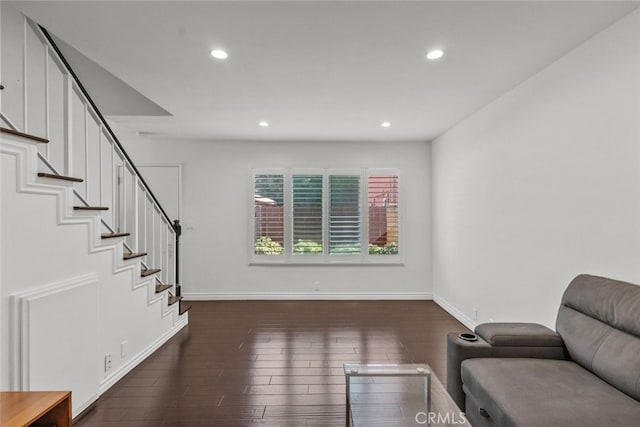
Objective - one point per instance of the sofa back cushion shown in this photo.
(599, 322)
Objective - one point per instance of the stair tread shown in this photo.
(90, 208)
(149, 271)
(112, 235)
(174, 299)
(162, 288)
(184, 309)
(62, 177)
(24, 135)
(133, 255)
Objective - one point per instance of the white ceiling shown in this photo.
(320, 70)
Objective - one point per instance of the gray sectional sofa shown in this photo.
(585, 374)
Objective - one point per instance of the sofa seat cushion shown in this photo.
(538, 392)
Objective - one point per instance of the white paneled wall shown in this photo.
(48, 326)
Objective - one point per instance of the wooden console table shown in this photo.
(26, 408)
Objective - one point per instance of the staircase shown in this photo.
(60, 145)
(16, 139)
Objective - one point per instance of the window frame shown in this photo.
(324, 258)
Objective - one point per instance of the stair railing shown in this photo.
(84, 146)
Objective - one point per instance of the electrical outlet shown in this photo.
(316, 286)
(475, 314)
(107, 362)
(123, 349)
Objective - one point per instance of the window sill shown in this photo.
(286, 263)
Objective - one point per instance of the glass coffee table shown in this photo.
(397, 395)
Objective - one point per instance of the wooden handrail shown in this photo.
(24, 135)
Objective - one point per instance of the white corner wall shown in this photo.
(541, 185)
(216, 186)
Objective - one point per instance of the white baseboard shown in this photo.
(232, 296)
(107, 383)
(461, 317)
(84, 406)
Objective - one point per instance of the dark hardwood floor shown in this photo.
(271, 363)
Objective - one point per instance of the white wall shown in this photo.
(542, 184)
(216, 189)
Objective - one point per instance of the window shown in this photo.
(383, 214)
(325, 216)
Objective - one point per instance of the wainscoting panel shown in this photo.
(56, 329)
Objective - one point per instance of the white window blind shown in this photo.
(307, 230)
(344, 214)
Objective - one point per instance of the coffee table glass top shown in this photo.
(397, 395)
(386, 369)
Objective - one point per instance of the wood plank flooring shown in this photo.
(271, 363)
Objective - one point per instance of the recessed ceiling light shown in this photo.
(264, 124)
(435, 54)
(219, 54)
(385, 124)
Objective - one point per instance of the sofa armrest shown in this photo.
(518, 335)
(539, 345)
